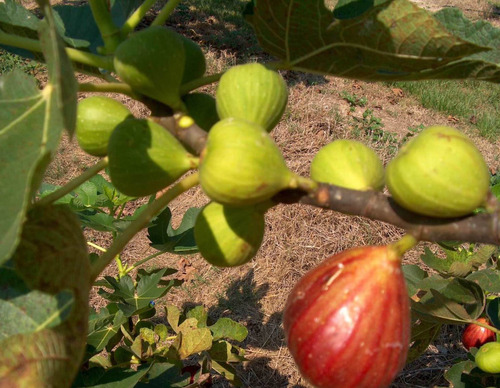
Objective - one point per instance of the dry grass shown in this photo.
(297, 237)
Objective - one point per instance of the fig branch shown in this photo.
(480, 228)
(165, 12)
(136, 17)
(109, 31)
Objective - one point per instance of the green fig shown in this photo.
(51, 257)
(145, 158)
(201, 108)
(241, 164)
(229, 236)
(254, 93)
(350, 164)
(488, 357)
(152, 62)
(195, 65)
(96, 118)
(439, 173)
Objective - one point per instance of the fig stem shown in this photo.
(403, 245)
(109, 31)
(303, 183)
(142, 261)
(98, 247)
(486, 326)
(136, 17)
(198, 83)
(153, 209)
(74, 183)
(75, 55)
(165, 12)
(108, 87)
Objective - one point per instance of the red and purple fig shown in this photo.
(347, 321)
(474, 335)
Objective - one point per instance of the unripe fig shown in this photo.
(347, 321)
(145, 158)
(350, 164)
(241, 164)
(51, 257)
(439, 173)
(487, 357)
(201, 108)
(474, 335)
(152, 62)
(96, 118)
(229, 236)
(195, 65)
(254, 93)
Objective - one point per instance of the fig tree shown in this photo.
(350, 164)
(145, 158)
(439, 173)
(241, 164)
(152, 62)
(201, 108)
(96, 118)
(229, 236)
(347, 321)
(487, 357)
(254, 93)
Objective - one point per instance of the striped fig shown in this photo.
(241, 164)
(347, 321)
(96, 118)
(145, 158)
(152, 62)
(229, 236)
(474, 335)
(350, 164)
(254, 93)
(439, 173)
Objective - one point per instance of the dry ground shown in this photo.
(297, 237)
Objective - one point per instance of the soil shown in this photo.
(297, 237)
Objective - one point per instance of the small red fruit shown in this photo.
(474, 335)
(347, 321)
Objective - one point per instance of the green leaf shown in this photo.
(167, 239)
(229, 329)
(147, 335)
(24, 310)
(165, 375)
(423, 333)
(26, 113)
(200, 314)
(173, 315)
(413, 276)
(488, 279)
(193, 340)
(456, 374)
(86, 194)
(391, 40)
(493, 311)
(222, 351)
(112, 378)
(103, 327)
(161, 331)
(227, 371)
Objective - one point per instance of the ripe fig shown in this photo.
(347, 321)
(241, 164)
(195, 64)
(487, 357)
(51, 257)
(96, 118)
(152, 62)
(229, 236)
(201, 108)
(439, 173)
(350, 164)
(254, 93)
(145, 158)
(474, 335)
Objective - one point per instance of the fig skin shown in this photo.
(241, 164)
(474, 335)
(229, 236)
(349, 164)
(254, 93)
(195, 63)
(439, 173)
(152, 62)
(145, 158)
(347, 321)
(201, 108)
(96, 118)
(487, 357)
